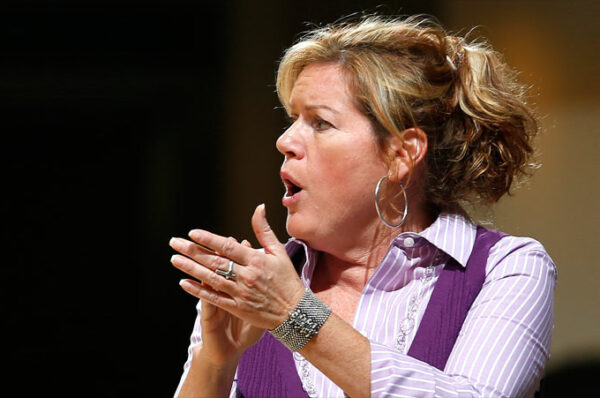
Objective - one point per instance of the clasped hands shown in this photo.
(266, 286)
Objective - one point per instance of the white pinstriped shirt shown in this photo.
(505, 340)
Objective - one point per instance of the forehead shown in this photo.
(321, 82)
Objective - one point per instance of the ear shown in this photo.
(406, 152)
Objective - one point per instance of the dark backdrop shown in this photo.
(116, 124)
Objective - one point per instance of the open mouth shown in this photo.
(290, 188)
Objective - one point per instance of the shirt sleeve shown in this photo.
(504, 343)
(195, 339)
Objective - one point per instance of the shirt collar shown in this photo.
(309, 258)
(451, 233)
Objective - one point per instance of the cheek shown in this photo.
(348, 182)
(346, 169)
(330, 174)
(353, 165)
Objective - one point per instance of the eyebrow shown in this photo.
(317, 106)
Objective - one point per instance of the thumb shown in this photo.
(265, 235)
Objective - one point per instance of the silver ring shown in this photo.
(229, 274)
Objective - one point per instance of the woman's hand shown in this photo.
(224, 336)
(266, 286)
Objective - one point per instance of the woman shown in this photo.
(395, 127)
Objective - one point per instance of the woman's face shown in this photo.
(332, 161)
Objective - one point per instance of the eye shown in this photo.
(321, 125)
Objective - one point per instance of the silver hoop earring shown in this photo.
(379, 210)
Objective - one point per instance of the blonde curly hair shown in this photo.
(410, 73)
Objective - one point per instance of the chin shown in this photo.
(297, 228)
(291, 228)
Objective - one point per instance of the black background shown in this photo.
(88, 92)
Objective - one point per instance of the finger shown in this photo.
(226, 247)
(180, 244)
(189, 248)
(190, 285)
(207, 276)
(264, 233)
(199, 254)
(246, 243)
(206, 294)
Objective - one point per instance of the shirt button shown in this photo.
(409, 242)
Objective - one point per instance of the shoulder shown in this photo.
(514, 255)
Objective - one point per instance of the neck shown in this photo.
(351, 264)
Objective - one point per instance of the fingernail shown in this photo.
(185, 283)
(173, 258)
(174, 242)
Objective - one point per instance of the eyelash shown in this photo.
(316, 122)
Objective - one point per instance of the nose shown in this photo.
(290, 143)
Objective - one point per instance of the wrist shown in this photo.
(303, 323)
(216, 363)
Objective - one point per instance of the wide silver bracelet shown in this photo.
(304, 322)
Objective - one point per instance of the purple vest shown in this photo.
(268, 370)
